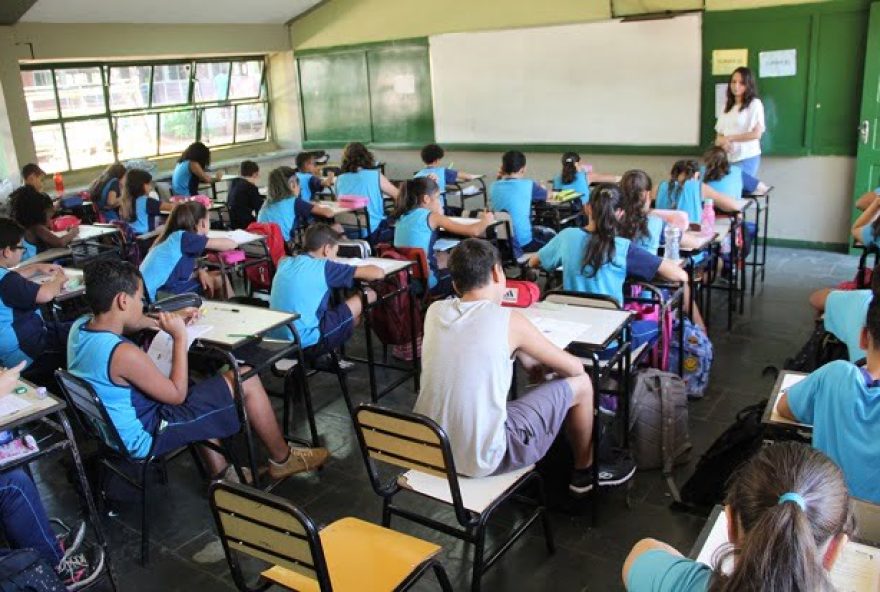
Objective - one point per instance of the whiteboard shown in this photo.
(610, 82)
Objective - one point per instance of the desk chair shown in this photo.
(501, 236)
(346, 555)
(867, 520)
(418, 444)
(96, 423)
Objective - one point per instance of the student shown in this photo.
(361, 177)
(192, 168)
(639, 223)
(684, 191)
(34, 213)
(31, 186)
(468, 350)
(303, 284)
(171, 264)
(139, 209)
(866, 228)
(244, 199)
(106, 192)
(285, 207)
(842, 403)
(727, 178)
(577, 177)
(867, 199)
(154, 413)
(514, 194)
(419, 216)
(24, 335)
(788, 519)
(432, 157)
(309, 176)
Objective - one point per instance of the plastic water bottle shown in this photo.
(707, 220)
(59, 183)
(672, 235)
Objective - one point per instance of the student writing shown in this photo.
(138, 207)
(285, 207)
(310, 181)
(191, 169)
(432, 157)
(514, 193)
(106, 191)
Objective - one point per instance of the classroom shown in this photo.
(386, 295)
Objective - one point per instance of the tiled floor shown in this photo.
(186, 554)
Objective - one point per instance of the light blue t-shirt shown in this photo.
(845, 414)
(413, 230)
(514, 196)
(305, 188)
(364, 183)
(440, 173)
(660, 571)
(286, 213)
(145, 209)
(845, 314)
(169, 265)
(182, 180)
(580, 184)
(687, 198)
(651, 243)
(868, 238)
(30, 250)
(731, 184)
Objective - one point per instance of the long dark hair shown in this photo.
(604, 202)
(279, 183)
(197, 152)
(184, 216)
(113, 171)
(31, 209)
(355, 156)
(717, 165)
(780, 543)
(633, 185)
(570, 167)
(687, 167)
(751, 89)
(411, 192)
(132, 188)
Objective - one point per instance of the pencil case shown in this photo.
(64, 222)
(352, 201)
(175, 303)
(228, 257)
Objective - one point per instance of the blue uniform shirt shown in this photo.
(183, 182)
(287, 213)
(687, 198)
(309, 185)
(444, 177)
(170, 264)
(868, 237)
(146, 209)
(515, 197)
(109, 213)
(845, 314)
(567, 249)
(302, 284)
(660, 571)
(23, 332)
(651, 243)
(580, 184)
(731, 184)
(30, 250)
(844, 410)
(413, 230)
(134, 415)
(364, 183)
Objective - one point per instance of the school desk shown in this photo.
(89, 232)
(727, 226)
(762, 206)
(47, 256)
(73, 287)
(698, 250)
(470, 189)
(392, 269)
(857, 569)
(254, 246)
(771, 417)
(47, 421)
(358, 218)
(468, 222)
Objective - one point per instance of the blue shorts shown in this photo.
(337, 327)
(208, 412)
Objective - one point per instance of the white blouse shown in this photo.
(738, 121)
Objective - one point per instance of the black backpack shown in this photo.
(822, 347)
(23, 570)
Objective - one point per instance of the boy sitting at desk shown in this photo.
(154, 413)
(467, 364)
(24, 335)
(303, 284)
(842, 403)
(244, 199)
(310, 181)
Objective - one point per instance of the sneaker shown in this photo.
(617, 470)
(69, 539)
(299, 461)
(581, 482)
(81, 569)
(608, 405)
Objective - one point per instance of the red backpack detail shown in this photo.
(64, 222)
(391, 320)
(260, 276)
(521, 294)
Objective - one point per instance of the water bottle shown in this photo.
(59, 184)
(707, 220)
(672, 235)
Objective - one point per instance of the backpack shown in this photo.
(821, 347)
(23, 570)
(65, 222)
(646, 311)
(520, 294)
(130, 249)
(697, 358)
(391, 320)
(658, 423)
(260, 276)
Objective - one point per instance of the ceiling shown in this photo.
(177, 12)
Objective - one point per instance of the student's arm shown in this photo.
(437, 220)
(112, 200)
(642, 547)
(24, 294)
(865, 220)
(51, 240)
(315, 210)
(720, 200)
(329, 180)
(798, 403)
(462, 176)
(221, 244)
(783, 409)
(549, 257)
(33, 269)
(131, 364)
(197, 170)
(867, 199)
(670, 271)
(642, 265)
(388, 187)
(368, 273)
(526, 338)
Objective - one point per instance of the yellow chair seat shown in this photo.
(361, 556)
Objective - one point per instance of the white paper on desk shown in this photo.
(445, 244)
(788, 381)
(162, 348)
(471, 190)
(560, 333)
(466, 220)
(12, 404)
(384, 264)
(857, 569)
(717, 538)
(239, 236)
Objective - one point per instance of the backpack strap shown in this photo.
(667, 435)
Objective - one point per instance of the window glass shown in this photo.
(39, 94)
(212, 78)
(217, 126)
(89, 143)
(136, 136)
(177, 130)
(251, 122)
(129, 87)
(49, 143)
(170, 84)
(246, 78)
(80, 91)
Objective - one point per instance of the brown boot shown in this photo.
(299, 461)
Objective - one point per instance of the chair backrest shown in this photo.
(421, 270)
(582, 299)
(269, 528)
(92, 413)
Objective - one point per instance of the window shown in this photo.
(85, 115)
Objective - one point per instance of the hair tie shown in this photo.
(794, 498)
(569, 160)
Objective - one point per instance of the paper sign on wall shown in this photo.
(775, 64)
(720, 98)
(725, 61)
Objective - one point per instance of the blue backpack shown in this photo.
(697, 358)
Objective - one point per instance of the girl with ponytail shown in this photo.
(788, 516)
(685, 191)
(577, 176)
(419, 216)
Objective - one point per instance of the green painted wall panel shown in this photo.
(335, 97)
(400, 95)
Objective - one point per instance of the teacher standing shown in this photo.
(740, 127)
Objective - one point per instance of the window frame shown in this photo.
(112, 116)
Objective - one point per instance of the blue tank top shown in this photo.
(364, 183)
(134, 414)
(160, 263)
(580, 184)
(142, 222)
(687, 198)
(10, 349)
(183, 182)
(651, 243)
(414, 231)
(305, 192)
(440, 173)
(282, 213)
(731, 184)
(29, 251)
(514, 196)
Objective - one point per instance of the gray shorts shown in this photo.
(532, 423)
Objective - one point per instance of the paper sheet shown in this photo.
(445, 244)
(787, 382)
(471, 190)
(387, 265)
(12, 404)
(162, 348)
(717, 538)
(465, 220)
(239, 236)
(560, 333)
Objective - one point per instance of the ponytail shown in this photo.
(569, 167)
(411, 192)
(634, 224)
(604, 201)
(132, 188)
(717, 164)
(686, 167)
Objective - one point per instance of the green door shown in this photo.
(868, 154)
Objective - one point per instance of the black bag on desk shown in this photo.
(176, 302)
(822, 347)
(23, 570)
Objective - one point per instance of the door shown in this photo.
(868, 153)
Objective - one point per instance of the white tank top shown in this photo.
(466, 374)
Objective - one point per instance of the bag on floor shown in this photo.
(698, 355)
(658, 423)
(23, 570)
(821, 347)
(356, 248)
(391, 320)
